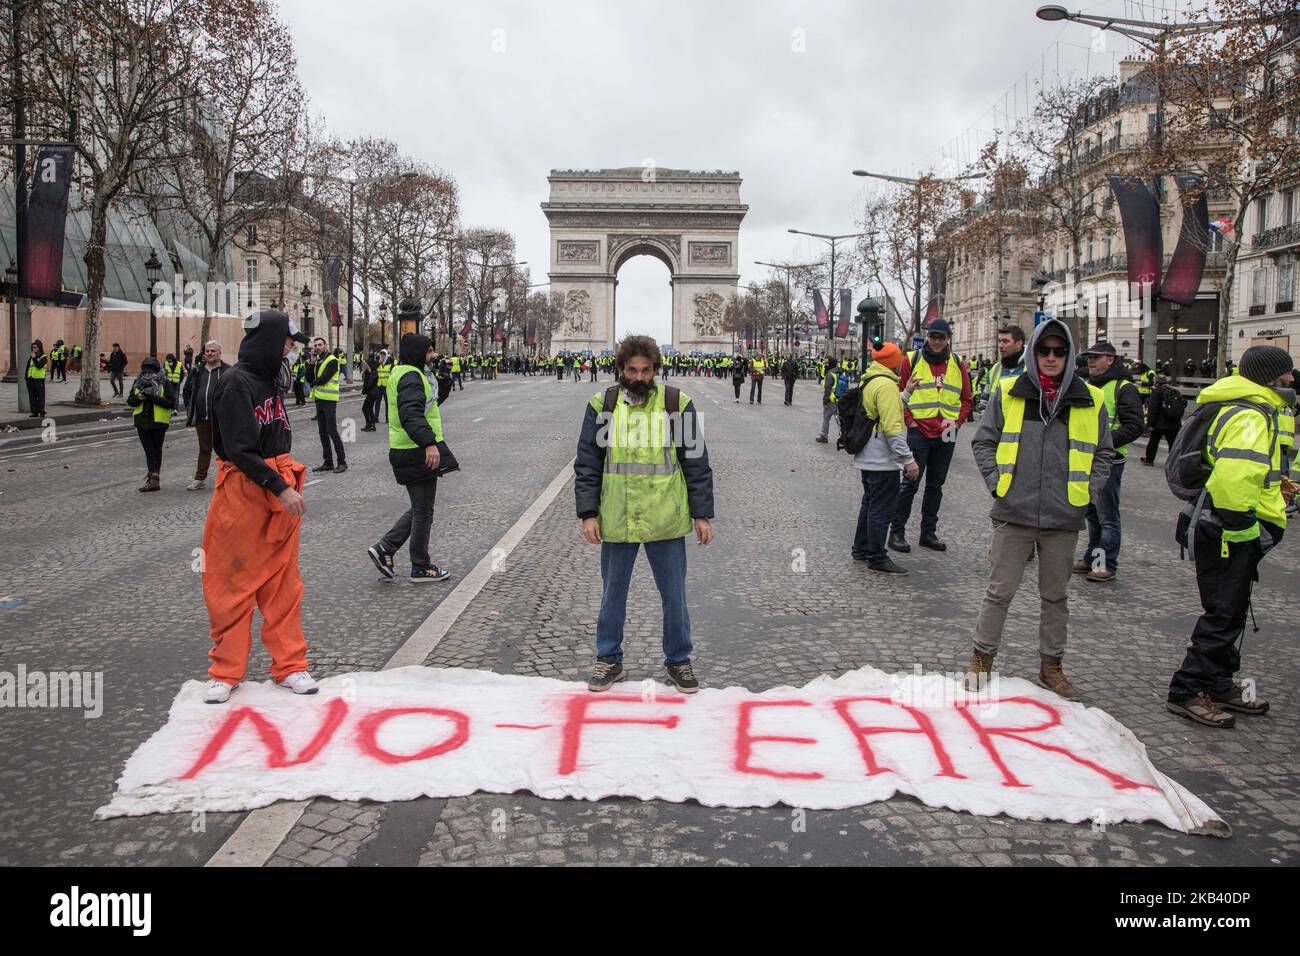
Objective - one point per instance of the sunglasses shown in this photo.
(1060, 351)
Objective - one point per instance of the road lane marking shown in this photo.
(260, 833)
(308, 484)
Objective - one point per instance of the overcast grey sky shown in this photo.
(793, 95)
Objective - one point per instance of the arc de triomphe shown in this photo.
(600, 218)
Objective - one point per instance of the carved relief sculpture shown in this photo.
(577, 312)
(708, 313)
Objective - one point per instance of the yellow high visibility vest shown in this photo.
(928, 398)
(1084, 429)
(328, 392)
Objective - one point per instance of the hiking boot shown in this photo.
(1100, 576)
(933, 543)
(822, 439)
(1237, 700)
(431, 573)
(151, 483)
(682, 676)
(300, 682)
(605, 675)
(328, 466)
(1203, 710)
(979, 672)
(1052, 676)
(898, 543)
(217, 692)
(383, 561)
(342, 467)
(886, 566)
(1082, 567)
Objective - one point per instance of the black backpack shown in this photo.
(856, 425)
(1172, 405)
(1186, 469)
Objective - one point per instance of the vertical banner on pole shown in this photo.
(41, 270)
(333, 270)
(1183, 277)
(846, 307)
(819, 308)
(1142, 241)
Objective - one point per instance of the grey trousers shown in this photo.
(829, 411)
(415, 524)
(1008, 555)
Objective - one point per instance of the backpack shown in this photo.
(1172, 404)
(841, 385)
(1186, 469)
(856, 425)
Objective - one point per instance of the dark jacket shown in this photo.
(200, 386)
(369, 380)
(1038, 497)
(249, 423)
(789, 370)
(739, 368)
(1128, 404)
(117, 361)
(412, 411)
(147, 393)
(1156, 414)
(589, 466)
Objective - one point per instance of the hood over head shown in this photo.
(413, 349)
(262, 349)
(1042, 331)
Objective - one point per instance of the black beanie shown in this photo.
(1264, 363)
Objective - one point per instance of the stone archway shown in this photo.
(601, 218)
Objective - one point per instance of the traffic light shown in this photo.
(872, 316)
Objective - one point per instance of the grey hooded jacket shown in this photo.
(1038, 496)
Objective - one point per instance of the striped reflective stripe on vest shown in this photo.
(1084, 435)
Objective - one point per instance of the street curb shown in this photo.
(32, 424)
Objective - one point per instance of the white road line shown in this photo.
(308, 484)
(477, 420)
(263, 830)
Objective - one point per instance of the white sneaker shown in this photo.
(299, 682)
(217, 692)
(196, 484)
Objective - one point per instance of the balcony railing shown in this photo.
(1278, 236)
(1118, 262)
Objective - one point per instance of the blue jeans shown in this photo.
(879, 500)
(668, 564)
(933, 456)
(1103, 520)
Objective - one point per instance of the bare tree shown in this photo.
(120, 72)
(243, 116)
(1057, 146)
(1233, 96)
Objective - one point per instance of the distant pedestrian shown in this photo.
(116, 368)
(373, 396)
(38, 366)
(1165, 408)
(154, 399)
(789, 374)
(832, 388)
(200, 387)
(325, 391)
(739, 369)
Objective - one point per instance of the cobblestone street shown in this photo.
(105, 583)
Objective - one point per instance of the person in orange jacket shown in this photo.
(250, 538)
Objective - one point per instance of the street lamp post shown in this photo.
(307, 321)
(11, 280)
(916, 186)
(787, 267)
(1152, 36)
(153, 272)
(830, 306)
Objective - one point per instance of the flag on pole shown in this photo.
(819, 309)
(1222, 226)
(846, 306)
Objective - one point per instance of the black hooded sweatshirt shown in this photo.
(249, 423)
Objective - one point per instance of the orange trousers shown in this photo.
(250, 555)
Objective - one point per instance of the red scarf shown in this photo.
(1050, 386)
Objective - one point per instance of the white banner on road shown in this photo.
(843, 742)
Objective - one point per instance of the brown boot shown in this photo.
(151, 483)
(979, 672)
(1052, 676)
(1203, 710)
